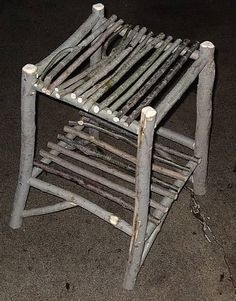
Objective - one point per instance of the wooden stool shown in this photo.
(124, 80)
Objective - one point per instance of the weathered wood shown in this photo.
(48, 209)
(133, 128)
(204, 112)
(147, 86)
(82, 202)
(138, 36)
(94, 88)
(127, 140)
(152, 229)
(37, 171)
(108, 132)
(103, 72)
(122, 154)
(95, 178)
(162, 84)
(99, 10)
(77, 49)
(142, 191)
(126, 40)
(84, 56)
(87, 74)
(57, 58)
(163, 132)
(71, 84)
(93, 153)
(107, 169)
(125, 67)
(84, 91)
(114, 55)
(87, 174)
(72, 41)
(87, 185)
(175, 152)
(178, 90)
(194, 56)
(27, 143)
(97, 55)
(111, 39)
(134, 81)
(106, 157)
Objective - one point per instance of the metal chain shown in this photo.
(208, 233)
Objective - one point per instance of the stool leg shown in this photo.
(27, 143)
(99, 10)
(142, 191)
(203, 122)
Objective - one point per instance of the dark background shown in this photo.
(73, 255)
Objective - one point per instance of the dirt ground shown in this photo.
(73, 255)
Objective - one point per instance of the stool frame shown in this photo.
(146, 129)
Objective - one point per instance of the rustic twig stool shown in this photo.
(133, 80)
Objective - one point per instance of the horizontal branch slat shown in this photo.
(148, 85)
(85, 55)
(96, 178)
(82, 202)
(124, 155)
(75, 38)
(105, 168)
(148, 67)
(107, 158)
(86, 185)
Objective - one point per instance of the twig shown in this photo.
(133, 78)
(125, 67)
(172, 72)
(84, 56)
(78, 48)
(136, 98)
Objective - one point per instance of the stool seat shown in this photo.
(136, 69)
(124, 80)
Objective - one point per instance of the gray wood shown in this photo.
(82, 202)
(145, 71)
(99, 10)
(142, 192)
(27, 143)
(204, 112)
(75, 38)
(182, 85)
(194, 56)
(48, 209)
(84, 56)
(110, 170)
(96, 178)
(152, 81)
(123, 154)
(108, 158)
(86, 184)
(163, 83)
(122, 70)
(103, 72)
(36, 170)
(152, 229)
(146, 225)
(133, 127)
(78, 48)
